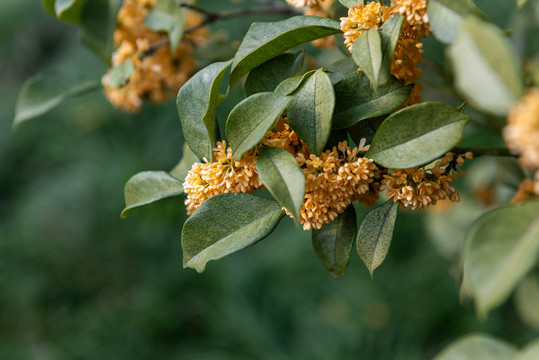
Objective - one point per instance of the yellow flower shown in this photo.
(522, 131)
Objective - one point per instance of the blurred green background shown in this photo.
(77, 282)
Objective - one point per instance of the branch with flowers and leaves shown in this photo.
(316, 143)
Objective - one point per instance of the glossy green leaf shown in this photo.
(249, 121)
(311, 111)
(375, 233)
(350, 3)
(334, 241)
(270, 74)
(45, 91)
(186, 163)
(487, 72)
(446, 17)
(264, 41)
(367, 53)
(119, 75)
(417, 135)
(224, 224)
(281, 175)
(529, 352)
(98, 21)
(68, 10)
(167, 16)
(526, 299)
(389, 35)
(290, 85)
(477, 346)
(197, 100)
(149, 186)
(500, 248)
(356, 100)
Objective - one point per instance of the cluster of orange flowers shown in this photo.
(522, 136)
(158, 74)
(418, 188)
(320, 8)
(409, 50)
(333, 180)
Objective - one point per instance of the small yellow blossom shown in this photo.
(157, 75)
(522, 131)
(419, 188)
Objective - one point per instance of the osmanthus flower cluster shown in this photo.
(157, 73)
(522, 136)
(409, 50)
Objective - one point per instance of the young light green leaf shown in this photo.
(149, 186)
(349, 3)
(167, 16)
(334, 241)
(264, 41)
(281, 175)
(477, 346)
(270, 74)
(487, 72)
(98, 20)
(311, 111)
(227, 223)
(249, 121)
(356, 100)
(389, 35)
(186, 163)
(417, 135)
(500, 248)
(197, 100)
(530, 352)
(68, 10)
(45, 91)
(367, 53)
(375, 233)
(290, 85)
(445, 18)
(119, 75)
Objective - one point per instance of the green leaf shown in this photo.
(375, 233)
(98, 21)
(477, 346)
(487, 72)
(500, 248)
(389, 35)
(186, 163)
(270, 74)
(167, 16)
(119, 75)
(149, 186)
(530, 352)
(342, 68)
(264, 41)
(197, 100)
(526, 300)
(290, 85)
(281, 175)
(45, 91)
(224, 224)
(356, 100)
(446, 17)
(350, 3)
(68, 10)
(365, 129)
(334, 241)
(417, 135)
(249, 121)
(48, 5)
(367, 53)
(311, 111)
(521, 3)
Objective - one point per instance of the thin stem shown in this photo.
(485, 151)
